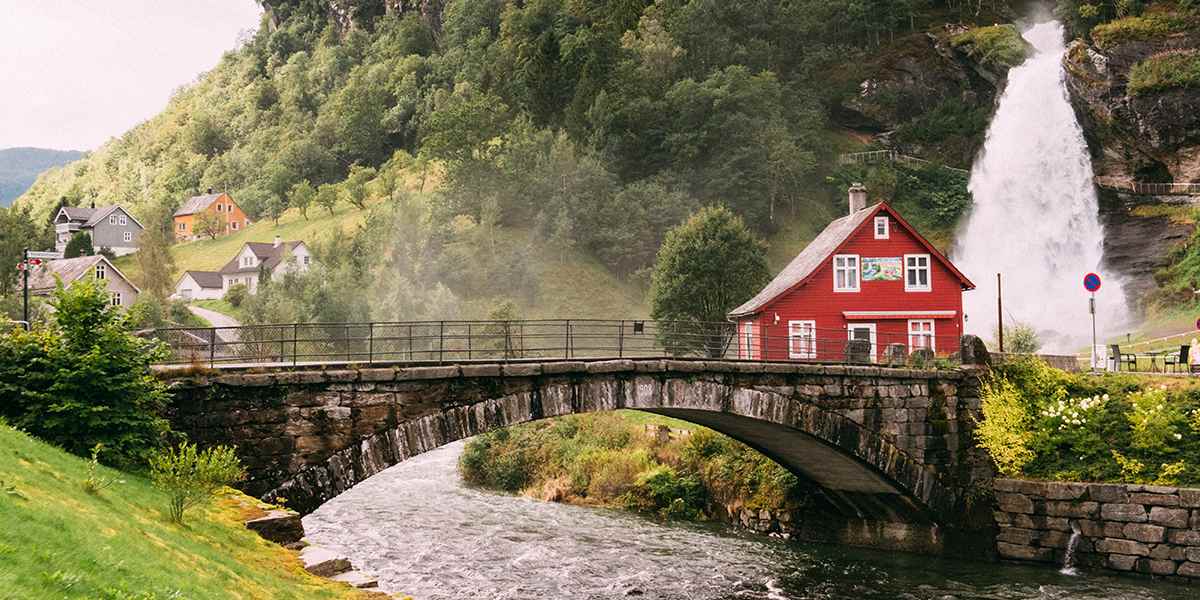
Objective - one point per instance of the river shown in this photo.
(423, 533)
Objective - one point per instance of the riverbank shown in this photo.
(59, 541)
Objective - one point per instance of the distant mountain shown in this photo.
(19, 167)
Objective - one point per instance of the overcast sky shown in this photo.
(74, 73)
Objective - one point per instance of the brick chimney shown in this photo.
(276, 242)
(858, 197)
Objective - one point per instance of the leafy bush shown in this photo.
(191, 477)
(80, 244)
(83, 379)
(1165, 72)
(998, 45)
(1005, 429)
(1021, 339)
(1154, 421)
(95, 481)
(236, 294)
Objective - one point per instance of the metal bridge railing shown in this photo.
(1155, 189)
(440, 342)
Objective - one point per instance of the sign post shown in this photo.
(1091, 283)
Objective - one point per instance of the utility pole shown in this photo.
(1092, 309)
(999, 313)
(25, 278)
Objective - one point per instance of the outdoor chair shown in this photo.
(858, 351)
(1177, 360)
(1118, 358)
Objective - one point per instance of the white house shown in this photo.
(199, 285)
(256, 258)
(43, 279)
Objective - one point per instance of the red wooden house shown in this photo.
(868, 276)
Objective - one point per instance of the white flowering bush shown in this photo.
(1068, 413)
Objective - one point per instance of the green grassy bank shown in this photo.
(58, 541)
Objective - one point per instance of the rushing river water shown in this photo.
(423, 533)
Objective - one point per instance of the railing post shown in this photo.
(441, 342)
(346, 337)
(468, 341)
(212, 348)
(621, 339)
(295, 343)
(370, 343)
(410, 342)
(567, 341)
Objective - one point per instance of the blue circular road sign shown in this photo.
(1091, 282)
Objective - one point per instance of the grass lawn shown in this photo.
(222, 307)
(57, 541)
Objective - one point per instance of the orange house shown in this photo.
(228, 214)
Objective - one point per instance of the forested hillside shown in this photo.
(479, 134)
(19, 168)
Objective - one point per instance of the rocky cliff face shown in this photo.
(1147, 137)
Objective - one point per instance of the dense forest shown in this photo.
(473, 132)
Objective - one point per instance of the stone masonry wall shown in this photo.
(1122, 527)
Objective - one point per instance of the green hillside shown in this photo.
(57, 541)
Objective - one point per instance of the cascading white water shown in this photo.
(1035, 218)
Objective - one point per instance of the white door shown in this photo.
(863, 331)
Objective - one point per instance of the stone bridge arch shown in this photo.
(889, 449)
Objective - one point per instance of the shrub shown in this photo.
(1137, 28)
(79, 245)
(1153, 420)
(236, 294)
(1021, 339)
(999, 45)
(1165, 72)
(83, 379)
(191, 477)
(95, 481)
(664, 491)
(1005, 431)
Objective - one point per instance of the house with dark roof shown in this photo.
(111, 227)
(258, 259)
(229, 216)
(868, 276)
(44, 278)
(199, 285)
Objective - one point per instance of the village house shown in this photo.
(229, 215)
(251, 262)
(199, 285)
(110, 227)
(44, 278)
(868, 276)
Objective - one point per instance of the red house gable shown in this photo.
(869, 275)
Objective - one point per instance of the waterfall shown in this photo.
(1035, 218)
(1068, 567)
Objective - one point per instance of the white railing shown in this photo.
(873, 157)
(1154, 189)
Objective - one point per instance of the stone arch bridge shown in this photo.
(889, 451)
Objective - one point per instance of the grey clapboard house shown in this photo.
(111, 227)
(44, 278)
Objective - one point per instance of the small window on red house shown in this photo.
(920, 335)
(881, 228)
(916, 273)
(802, 339)
(845, 273)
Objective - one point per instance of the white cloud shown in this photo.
(74, 73)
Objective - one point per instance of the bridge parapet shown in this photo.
(885, 445)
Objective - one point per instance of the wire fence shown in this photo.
(467, 341)
(873, 157)
(1155, 189)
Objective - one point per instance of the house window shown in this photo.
(115, 299)
(112, 219)
(747, 346)
(307, 259)
(802, 339)
(127, 236)
(101, 272)
(233, 224)
(920, 334)
(845, 273)
(881, 228)
(916, 273)
(183, 226)
(122, 220)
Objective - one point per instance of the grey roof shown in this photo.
(89, 217)
(267, 252)
(197, 204)
(78, 213)
(807, 261)
(68, 270)
(205, 279)
(100, 214)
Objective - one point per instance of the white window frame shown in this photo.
(183, 226)
(112, 219)
(747, 350)
(874, 341)
(802, 339)
(914, 335)
(101, 271)
(882, 233)
(845, 268)
(127, 236)
(122, 220)
(114, 299)
(928, 268)
(233, 224)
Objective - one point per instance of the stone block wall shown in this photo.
(1145, 529)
